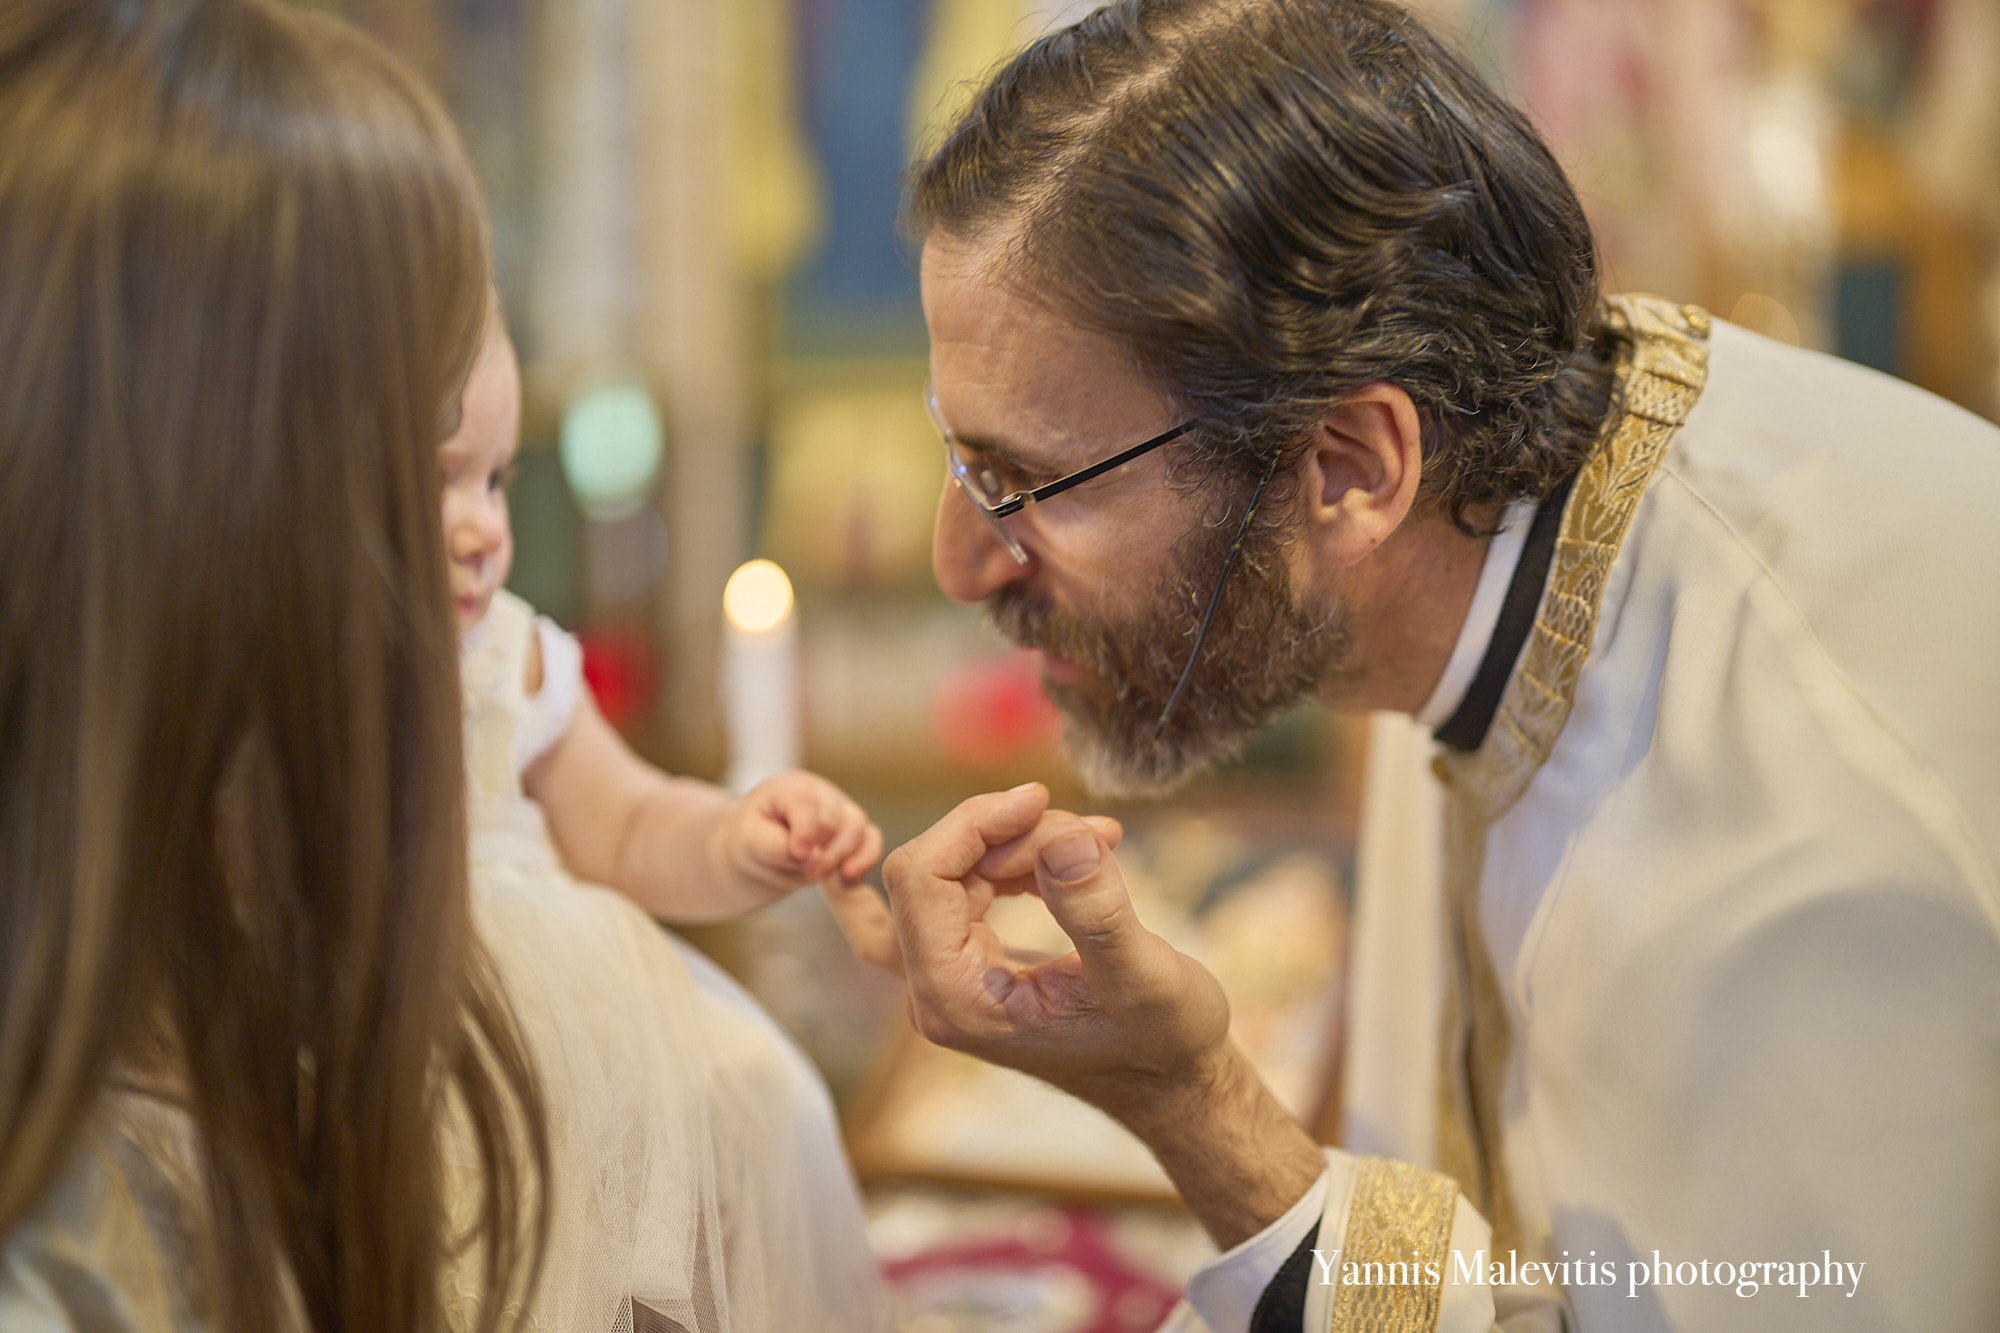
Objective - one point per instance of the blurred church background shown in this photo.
(694, 211)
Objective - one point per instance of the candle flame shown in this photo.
(758, 597)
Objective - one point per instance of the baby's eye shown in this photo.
(501, 477)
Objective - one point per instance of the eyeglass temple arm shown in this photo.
(1215, 598)
(1061, 484)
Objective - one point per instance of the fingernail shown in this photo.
(1073, 857)
(1023, 787)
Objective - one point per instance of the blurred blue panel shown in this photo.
(1868, 313)
(858, 294)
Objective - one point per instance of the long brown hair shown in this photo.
(242, 271)
(1274, 202)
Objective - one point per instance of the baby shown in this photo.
(695, 1159)
(685, 851)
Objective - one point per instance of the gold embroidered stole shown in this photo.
(1662, 376)
(1398, 1227)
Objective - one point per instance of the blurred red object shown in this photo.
(1062, 1271)
(621, 666)
(990, 712)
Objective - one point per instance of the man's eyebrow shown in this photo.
(1003, 453)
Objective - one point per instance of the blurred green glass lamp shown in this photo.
(611, 448)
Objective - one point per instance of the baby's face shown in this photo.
(477, 462)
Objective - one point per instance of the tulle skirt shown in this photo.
(698, 1169)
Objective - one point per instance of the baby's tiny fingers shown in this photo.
(865, 858)
(845, 840)
(808, 830)
(766, 844)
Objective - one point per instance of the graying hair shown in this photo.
(1271, 203)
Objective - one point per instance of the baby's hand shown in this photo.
(796, 828)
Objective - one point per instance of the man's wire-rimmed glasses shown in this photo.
(989, 494)
(992, 499)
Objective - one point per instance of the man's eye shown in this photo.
(995, 481)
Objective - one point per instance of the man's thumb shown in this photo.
(1085, 892)
(1072, 858)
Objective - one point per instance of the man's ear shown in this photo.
(1362, 471)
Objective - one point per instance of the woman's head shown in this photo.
(242, 274)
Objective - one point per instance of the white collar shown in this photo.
(1503, 553)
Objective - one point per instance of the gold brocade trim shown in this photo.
(1662, 377)
(1401, 1215)
(1658, 386)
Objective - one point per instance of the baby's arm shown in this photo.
(687, 851)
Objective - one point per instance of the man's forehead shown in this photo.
(1012, 371)
(975, 307)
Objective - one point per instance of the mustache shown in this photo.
(1125, 658)
(1026, 622)
(1265, 651)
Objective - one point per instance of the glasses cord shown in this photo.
(1215, 598)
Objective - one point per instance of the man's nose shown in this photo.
(969, 561)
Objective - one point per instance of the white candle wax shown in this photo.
(760, 674)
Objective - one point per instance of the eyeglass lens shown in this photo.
(982, 489)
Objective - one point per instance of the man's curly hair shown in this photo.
(1274, 202)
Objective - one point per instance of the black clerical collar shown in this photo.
(1466, 727)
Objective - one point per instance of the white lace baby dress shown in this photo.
(699, 1169)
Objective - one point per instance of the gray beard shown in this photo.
(1264, 653)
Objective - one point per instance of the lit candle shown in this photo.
(760, 674)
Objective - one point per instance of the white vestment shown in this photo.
(1734, 870)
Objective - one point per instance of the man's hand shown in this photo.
(1124, 1013)
(1125, 1022)
(870, 928)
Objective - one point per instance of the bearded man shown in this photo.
(1268, 347)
